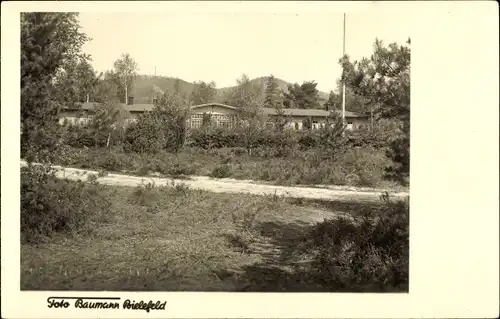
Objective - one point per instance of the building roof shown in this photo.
(309, 112)
(267, 111)
(214, 104)
(130, 108)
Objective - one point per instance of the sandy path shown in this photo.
(230, 186)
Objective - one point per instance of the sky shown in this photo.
(221, 46)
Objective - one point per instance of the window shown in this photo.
(195, 123)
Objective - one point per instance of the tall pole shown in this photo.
(343, 84)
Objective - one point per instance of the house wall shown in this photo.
(221, 116)
(296, 122)
(354, 123)
(74, 117)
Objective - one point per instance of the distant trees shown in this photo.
(305, 96)
(75, 83)
(203, 93)
(126, 69)
(108, 88)
(177, 86)
(247, 97)
(384, 82)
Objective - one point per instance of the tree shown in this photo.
(108, 118)
(331, 136)
(126, 68)
(75, 83)
(305, 96)
(203, 93)
(87, 80)
(384, 81)
(50, 42)
(246, 96)
(332, 103)
(163, 128)
(273, 99)
(108, 88)
(353, 101)
(272, 96)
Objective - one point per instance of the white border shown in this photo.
(454, 169)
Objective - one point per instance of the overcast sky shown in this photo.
(222, 46)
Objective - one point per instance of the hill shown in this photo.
(145, 85)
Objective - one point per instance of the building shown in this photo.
(317, 118)
(223, 115)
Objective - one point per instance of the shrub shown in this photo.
(144, 194)
(399, 152)
(146, 135)
(365, 253)
(164, 128)
(222, 171)
(179, 168)
(213, 137)
(181, 189)
(366, 164)
(50, 205)
(82, 136)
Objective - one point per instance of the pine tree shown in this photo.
(305, 96)
(383, 81)
(49, 43)
(271, 92)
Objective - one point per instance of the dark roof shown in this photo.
(130, 108)
(310, 112)
(214, 104)
(267, 111)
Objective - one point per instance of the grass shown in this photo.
(175, 238)
(360, 167)
(156, 239)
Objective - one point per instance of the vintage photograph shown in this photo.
(216, 152)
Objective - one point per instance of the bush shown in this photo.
(366, 165)
(213, 137)
(222, 171)
(164, 128)
(80, 136)
(50, 205)
(144, 194)
(399, 152)
(145, 136)
(369, 252)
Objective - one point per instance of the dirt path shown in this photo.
(231, 186)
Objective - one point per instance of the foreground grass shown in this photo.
(154, 239)
(362, 167)
(176, 239)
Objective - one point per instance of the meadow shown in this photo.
(86, 236)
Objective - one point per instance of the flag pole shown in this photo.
(343, 84)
